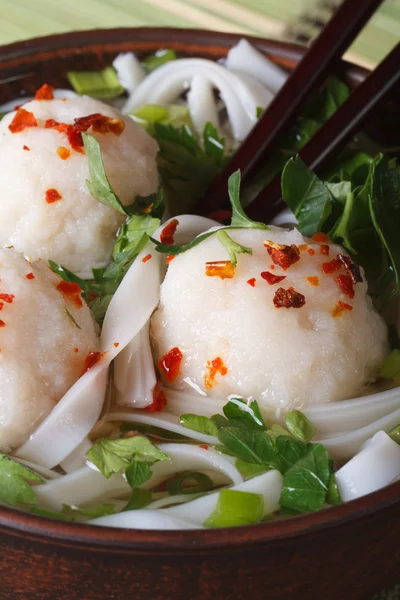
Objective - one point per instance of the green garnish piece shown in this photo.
(250, 470)
(214, 146)
(250, 446)
(182, 483)
(394, 434)
(111, 456)
(159, 58)
(232, 247)
(391, 366)
(333, 496)
(97, 84)
(138, 472)
(50, 514)
(299, 426)
(91, 512)
(139, 499)
(67, 275)
(239, 217)
(14, 482)
(240, 412)
(199, 423)
(236, 508)
(98, 185)
(174, 114)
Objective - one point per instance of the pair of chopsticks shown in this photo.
(311, 71)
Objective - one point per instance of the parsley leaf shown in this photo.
(138, 472)
(239, 217)
(251, 446)
(98, 185)
(240, 412)
(232, 247)
(249, 470)
(299, 426)
(14, 486)
(112, 455)
(199, 423)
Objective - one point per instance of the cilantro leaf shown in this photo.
(241, 412)
(112, 455)
(98, 185)
(199, 423)
(134, 234)
(251, 446)
(232, 247)
(239, 217)
(248, 469)
(299, 426)
(214, 146)
(139, 499)
(138, 472)
(305, 483)
(14, 486)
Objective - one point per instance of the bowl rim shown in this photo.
(16, 523)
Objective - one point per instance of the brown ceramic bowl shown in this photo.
(347, 552)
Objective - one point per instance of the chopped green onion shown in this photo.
(182, 483)
(394, 434)
(159, 58)
(175, 115)
(236, 508)
(391, 366)
(97, 84)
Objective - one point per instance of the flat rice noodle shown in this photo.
(144, 519)
(377, 465)
(130, 73)
(241, 97)
(201, 104)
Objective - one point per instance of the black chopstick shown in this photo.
(312, 70)
(337, 131)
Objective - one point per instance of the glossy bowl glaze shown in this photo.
(346, 552)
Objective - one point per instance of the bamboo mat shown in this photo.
(281, 19)
(295, 20)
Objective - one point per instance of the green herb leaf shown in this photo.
(305, 484)
(98, 185)
(110, 456)
(214, 146)
(139, 499)
(299, 426)
(306, 195)
(236, 508)
(14, 486)
(182, 483)
(333, 496)
(276, 431)
(239, 217)
(242, 412)
(137, 473)
(391, 366)
(249, 470)
(232, 247)
(159, 58)
(67, 275)
(394, 434)
(290, 451)
(199, 423)
(250, 446)
(97, 84)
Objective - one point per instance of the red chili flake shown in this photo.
(313, 280)
(159, 400)
(100, 124)
(146, 258)
(25, 148)
(7, 298)
(169, 259)
(332, 266)
(214, 367)
(284, 256)
(340, 307)
(272, 267)
(352, 269)
(272, 279)
(63, 152)
(76, 349)
(52, 195)
(324, 249)
(311, 251)
(167, 234)
(203, 446)
(72, 291)
(252, 282)
(73, 133)
(220, 268)
(170, 364)
(303, 247)
(116, 344)
(221, 215)
(91, 360)
(320, 237)
(346, 285)
(30, 276)
(1, 305)
(22, 120)
(45, 92)
(2, 324)
(288, 298)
